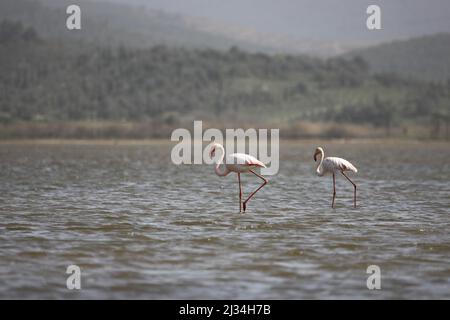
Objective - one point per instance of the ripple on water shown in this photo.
(140, 227)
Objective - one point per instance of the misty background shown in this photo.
(141, 68)
(341, 23)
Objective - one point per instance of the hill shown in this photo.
(426, 58)
(106, 23)
(48, 81)
(335, 21)
(115, 24)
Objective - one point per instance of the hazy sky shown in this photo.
(341, 20)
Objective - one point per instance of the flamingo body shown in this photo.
(335, 164)
(238, 163)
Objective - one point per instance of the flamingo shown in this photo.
(334, 165)
(239, 163)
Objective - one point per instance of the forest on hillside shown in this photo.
(426, 57)
(47, 85)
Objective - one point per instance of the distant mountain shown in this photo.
(139, 26)
(114, 24)
(426, 58)
(327, 21)
(268, 42)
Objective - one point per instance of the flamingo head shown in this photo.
(212, 152)
(318, 151)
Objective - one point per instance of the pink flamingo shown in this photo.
(334, 165)
(239, 163)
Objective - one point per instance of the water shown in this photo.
(140, 227)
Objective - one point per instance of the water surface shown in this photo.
(140, 227)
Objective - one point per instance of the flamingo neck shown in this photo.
(319, 169)
(221, 170)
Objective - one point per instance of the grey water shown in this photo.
(140, 227)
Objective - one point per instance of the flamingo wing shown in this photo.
(339, 164)
(245, 159)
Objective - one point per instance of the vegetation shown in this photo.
(426, 58)
(45, 83)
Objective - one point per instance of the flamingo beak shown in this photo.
(212, 153)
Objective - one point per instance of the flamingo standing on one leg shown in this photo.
(239, 163)
(334, 165)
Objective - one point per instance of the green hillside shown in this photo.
(426, 58)
(47, 81)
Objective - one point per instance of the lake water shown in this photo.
(140, 227)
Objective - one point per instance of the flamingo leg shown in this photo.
(253, 193)
(334, 190)
(240, 191)
(354, 188)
